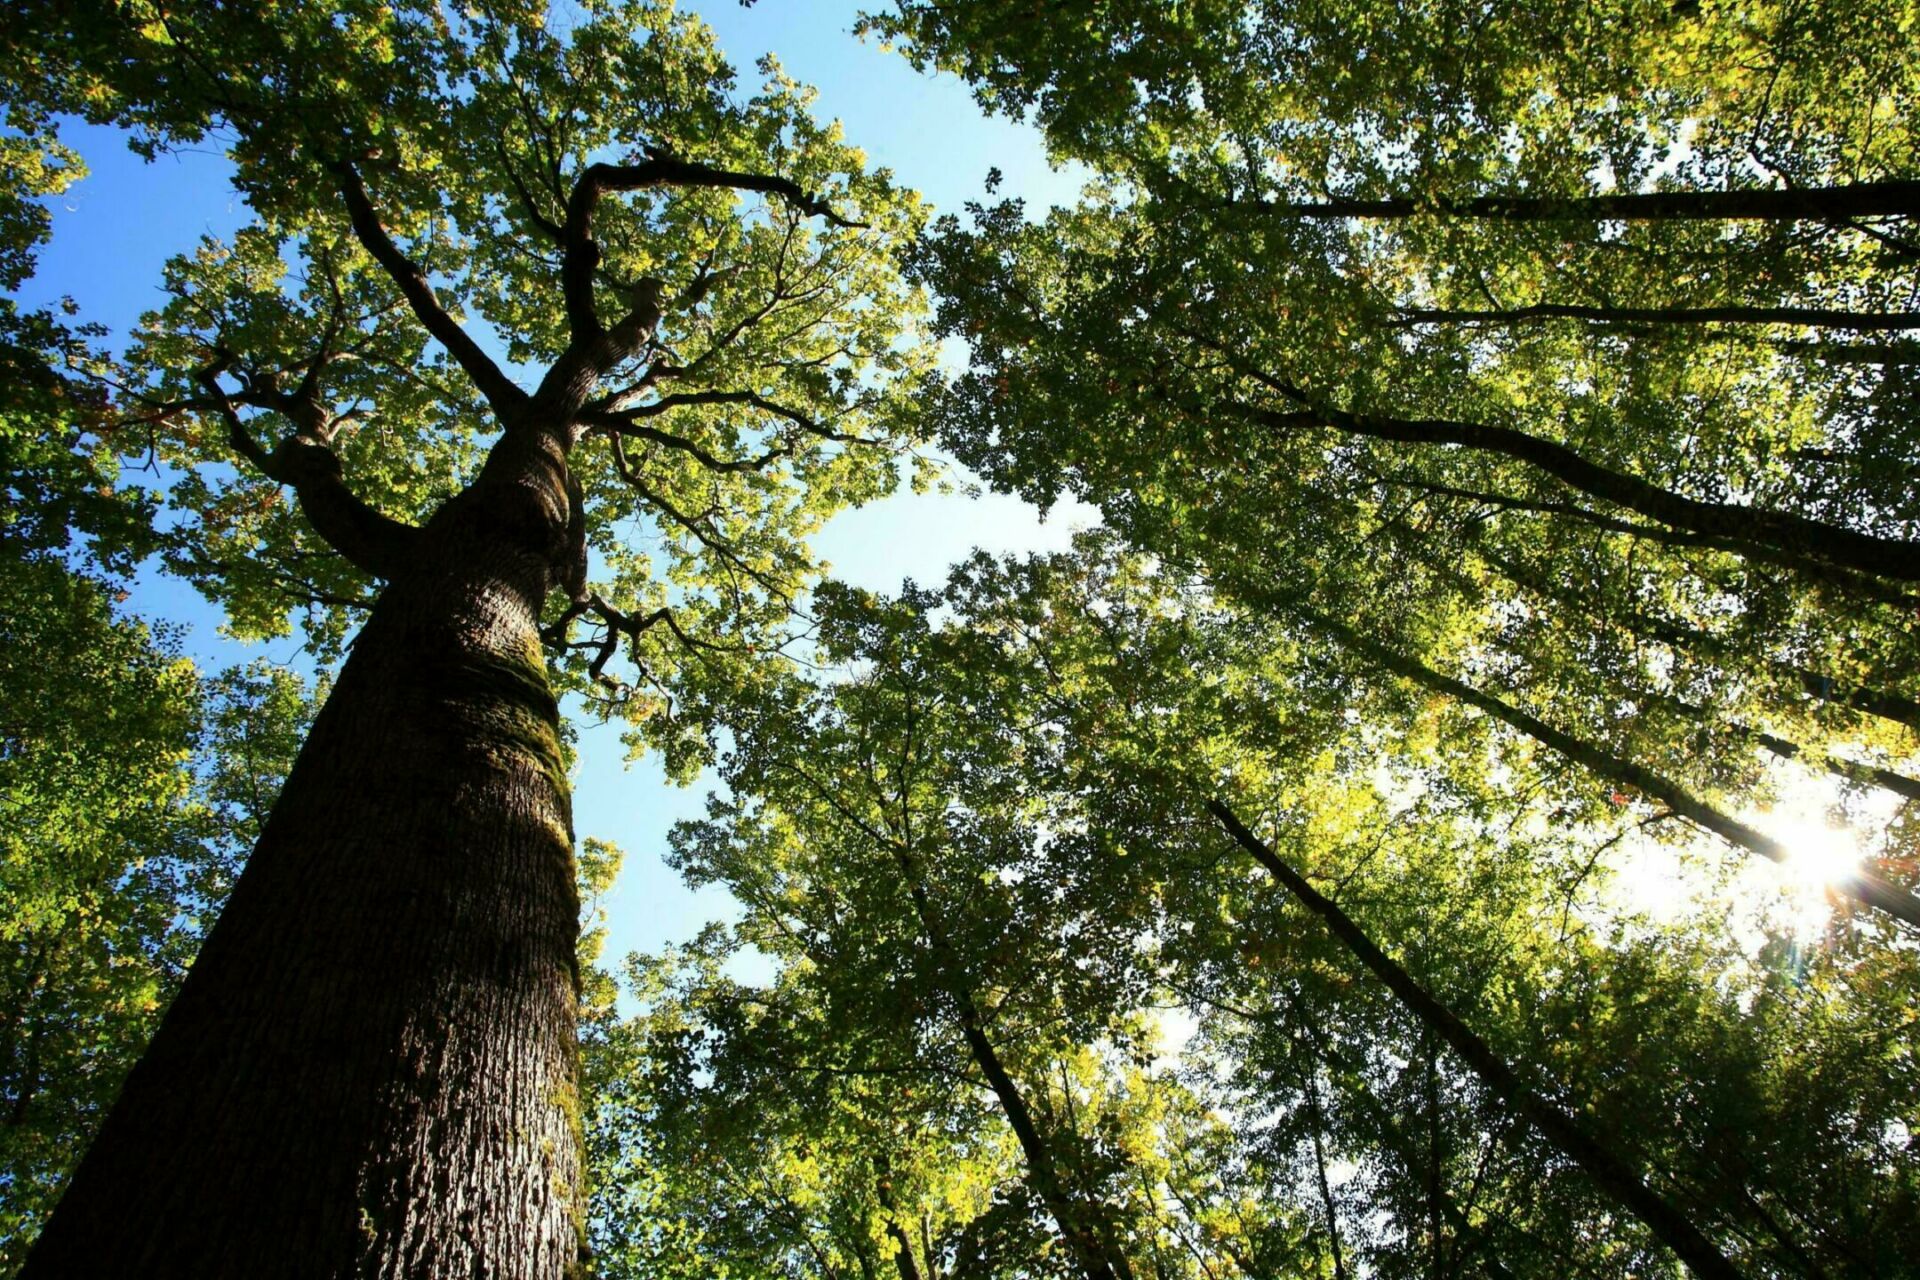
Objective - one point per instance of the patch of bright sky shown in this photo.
(114, 230)
(1758, 898)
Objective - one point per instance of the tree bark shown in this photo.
(1563, 1130)
(371, 1069)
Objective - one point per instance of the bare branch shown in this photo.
(498, 389)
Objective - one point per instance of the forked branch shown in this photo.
(599, 180)
(375, 543)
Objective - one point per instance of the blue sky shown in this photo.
(115, 228)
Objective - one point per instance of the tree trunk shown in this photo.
(1097, 1257)
(1735, 313)
(371, 1069)
(1096, 1254)
(1796, 534)
(1563, 1130)
(1869, 887)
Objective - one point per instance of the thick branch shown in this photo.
(1863, 585)
(1816, 204)
(373, 542)
(1852, 770)
(498, 389)
(1558, 1126)
(1876, 702)
(1820, 317)
(598, 180)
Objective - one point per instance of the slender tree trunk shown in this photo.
(1872, 889)
(1852, 770)
(1875, 702)
(1667, 1223)
(1318, 1120)
(1092, 1250)
(1853, 353)
(1476, 1242)
(1815, 317)
(1097, 1261)
(1816, 204)
(903, 1258)
(371, 1070)
(1889, 557)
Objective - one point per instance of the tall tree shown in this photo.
(1503, 354)
(1665, 1046)
(513, 283)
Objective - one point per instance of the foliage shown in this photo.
(131, 792)
(1041, 734)
(1503, 424)
(759, 391)
(1410, 368)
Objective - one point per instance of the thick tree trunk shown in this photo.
(371, 1068)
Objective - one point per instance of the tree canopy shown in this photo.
(1340, 863)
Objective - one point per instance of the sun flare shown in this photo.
(1819, 856)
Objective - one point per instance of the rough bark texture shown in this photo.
(371, 1069)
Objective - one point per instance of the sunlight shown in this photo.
(1820, 856)
(1665, 883)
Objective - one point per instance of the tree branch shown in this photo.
(1820, 204)
(598, 180)
(1818, 317)
(499, 390)
(1555, 1124)
(375, 543)
(1795, 534)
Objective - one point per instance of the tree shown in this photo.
(133, 791)
(952, 1067)
(371, 1067)
(1517, 372)
(1499, 1086)
(1678, 1051)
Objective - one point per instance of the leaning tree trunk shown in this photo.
(371, 1069)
